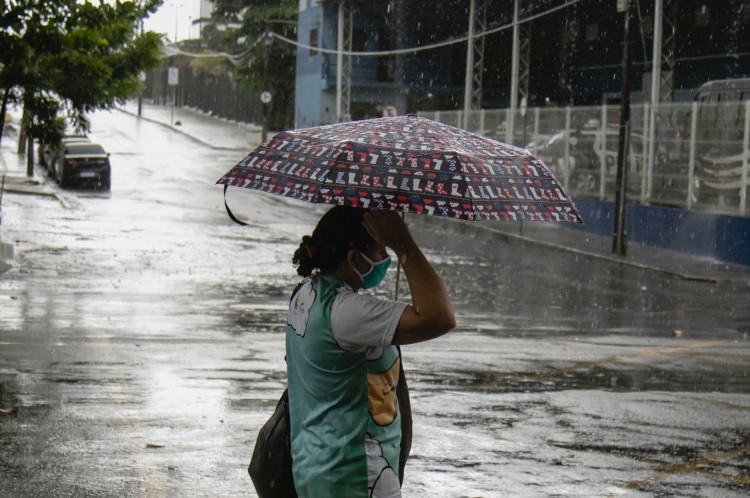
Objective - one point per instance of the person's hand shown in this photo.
(387, 228)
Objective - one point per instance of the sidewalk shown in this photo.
(14, 180)
(223, 134)
(213, 132)
(13, 168)
(682, 265)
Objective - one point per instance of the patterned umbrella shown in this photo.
(409, 164)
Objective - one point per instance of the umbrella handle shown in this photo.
(398, 266)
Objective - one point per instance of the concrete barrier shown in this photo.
(696, 233)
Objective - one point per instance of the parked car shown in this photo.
(48, 153)
(589, 150)
(82, 164)
(721, 146)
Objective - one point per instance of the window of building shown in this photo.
(745, 8)
(592, 32)
(702, 15)
(313, 41)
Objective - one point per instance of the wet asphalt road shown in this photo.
(141, 348)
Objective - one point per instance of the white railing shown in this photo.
(698, 158)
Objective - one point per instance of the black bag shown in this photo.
(271, 464)
(404, 407)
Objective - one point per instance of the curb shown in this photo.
(25, 185)
(6, 255)
(509, 237)
(30, 191)
(183, 132)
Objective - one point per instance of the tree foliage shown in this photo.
(64, 58)
(269, 64)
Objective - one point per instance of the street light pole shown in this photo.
(267, 42)
(176, 17)
(619, 239)
(140, 93)
(175, 73)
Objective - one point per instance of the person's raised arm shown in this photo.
(431, 313)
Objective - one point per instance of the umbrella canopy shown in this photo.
(409, 164)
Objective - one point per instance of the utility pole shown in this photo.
(469, 65)
(655, 94)
(265, 97)
(344, 36)
(143, 81)
(619, 240)
(515, 58)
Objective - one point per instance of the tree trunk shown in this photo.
(22, 132)
(6, 96)
(30, 156)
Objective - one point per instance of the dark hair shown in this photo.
(339, 230)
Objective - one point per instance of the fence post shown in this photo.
(652, 153)
(566, 168)
(645, 111)
(745, 154)
(603, 153)
(691, 162)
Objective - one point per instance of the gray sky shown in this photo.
(183, 11)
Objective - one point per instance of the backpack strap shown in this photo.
(404, 406)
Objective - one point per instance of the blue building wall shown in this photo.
(717, 236)
(371, 90)
(308, 85)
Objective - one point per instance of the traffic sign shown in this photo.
(173, 76)
(266, 97)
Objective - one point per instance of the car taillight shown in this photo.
(70, 161)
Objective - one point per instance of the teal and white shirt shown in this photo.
(342, 372)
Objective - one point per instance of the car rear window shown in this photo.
(85, 149)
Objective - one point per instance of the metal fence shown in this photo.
(216, 95)
(695, 156)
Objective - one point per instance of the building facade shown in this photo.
(573, 52)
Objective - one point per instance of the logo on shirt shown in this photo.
(299, 309)
(381, 394)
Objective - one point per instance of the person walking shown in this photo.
(343, 361)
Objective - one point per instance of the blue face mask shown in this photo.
(376, 274)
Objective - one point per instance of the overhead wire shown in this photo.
(236, 59)
(431, 46)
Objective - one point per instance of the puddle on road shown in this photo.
(642, 378)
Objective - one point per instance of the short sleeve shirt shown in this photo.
(364, 323)
(343, 373)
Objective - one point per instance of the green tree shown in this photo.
(63, 58)
(269, 64)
